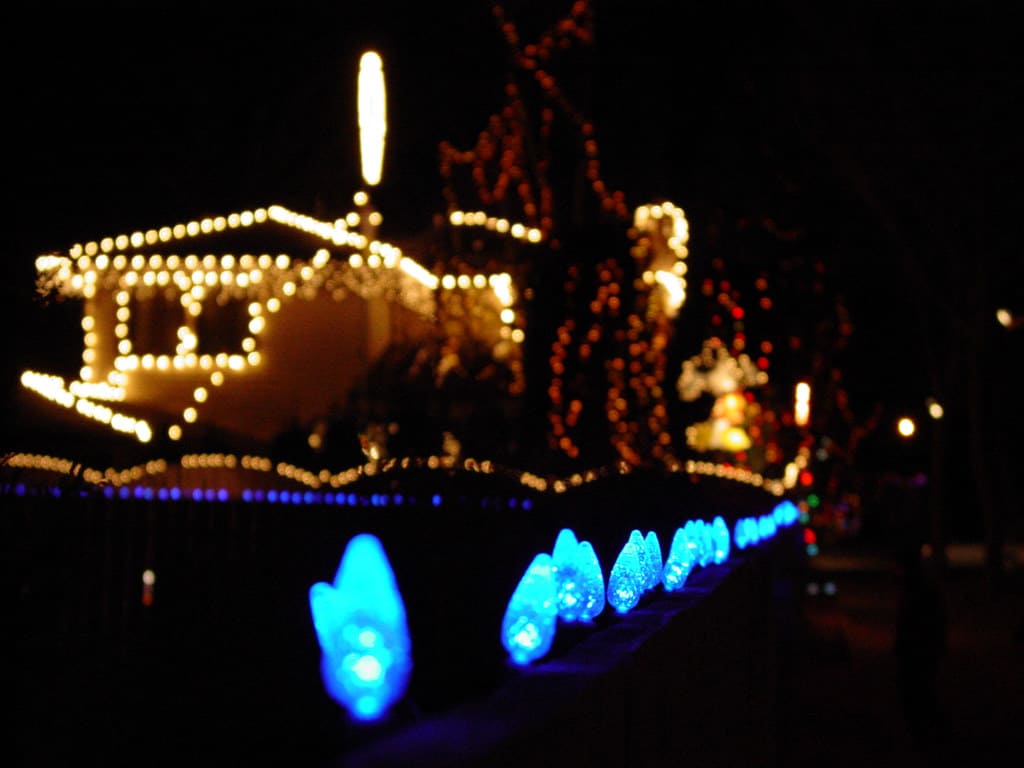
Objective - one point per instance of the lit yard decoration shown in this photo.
(361, 626)
(528, 628)
(725, 377)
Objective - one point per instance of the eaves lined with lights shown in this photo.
(350, 261)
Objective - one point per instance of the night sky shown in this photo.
(891, 143)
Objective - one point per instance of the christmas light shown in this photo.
(360, 624)
(528, 627)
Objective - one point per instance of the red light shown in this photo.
(809, 536)
(737, 313)
(806, 478)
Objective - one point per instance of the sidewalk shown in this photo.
(845, 693)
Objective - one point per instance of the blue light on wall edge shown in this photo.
(360, 623)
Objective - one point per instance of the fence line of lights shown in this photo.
(324, 479)
(567, 585)
(360, 618)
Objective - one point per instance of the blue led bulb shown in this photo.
(640, 546)
(720, 537)
(591, 578)
(652, 549)
(753, 531)
(691, 535)
(626, 581)
(766, 526)
(568, 584)
(528, 628)
(360, 623)
(704, 548)
(739, 535)
(678, 564)
(786, 513)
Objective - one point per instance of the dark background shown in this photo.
(888, 140)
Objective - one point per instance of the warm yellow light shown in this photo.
(174, 432)
(935, 409)
(906, 426)
(802, 406)
(372, 116)
(1005, 317)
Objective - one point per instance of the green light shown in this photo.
(813, 501)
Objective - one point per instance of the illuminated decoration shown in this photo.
(748, 532)
(373, 123)
(802, 404)
(528, 628)
(53, 388)
(785, 513)
(1008, 319)
(360, 623)
(740, 534)
(721, 539)
(591, 577)
(724, 376)
(173, 329)
(906, 427)
(766, 527)
(627, 578)
(693, 539)
(935, 409)
(652, 555)
(702, 538)
(115, 287)
(568, 583)
(679, 563)
(640, 546)
(579, 581)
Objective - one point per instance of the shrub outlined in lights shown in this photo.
(360, 623)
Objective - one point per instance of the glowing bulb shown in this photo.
(372, 116)
(640, 544)
(567, 581)
(652, 551)
(701, 537)
(360, 623)
(591, 577)
(679, 563)
(626, 581)
(906, 427)
(528, 627)
(691, 534)
(720, 537)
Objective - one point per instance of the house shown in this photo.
(261, 320)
